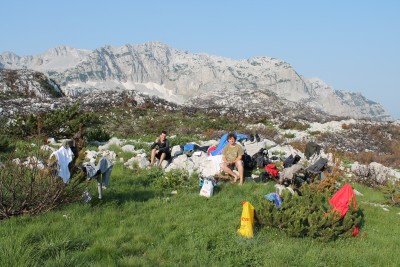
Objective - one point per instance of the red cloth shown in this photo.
(355, 232)
(212, 148)
(342, 199)
(271, 169)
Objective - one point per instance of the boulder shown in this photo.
(91, 154)
(111, 155)
(112, 141)
(128, 148)
(209, 143)
(51, 141)
(176, 150)
(253, 147)
(141, 161)
(182, 162)
(376, 171)
(207, 168)
(47, 148)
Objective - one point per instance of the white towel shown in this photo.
(64, 157)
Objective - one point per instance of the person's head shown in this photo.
(231, 138)
(163, 135)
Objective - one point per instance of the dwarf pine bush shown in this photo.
(62, 123)
(308, 216)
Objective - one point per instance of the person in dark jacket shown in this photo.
(160, 149)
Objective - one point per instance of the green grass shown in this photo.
(138, 224)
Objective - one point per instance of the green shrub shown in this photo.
(175, 179)
(97, 134)
(4, 144)
(392, 193)
(62, 123)
(294, 125)
(289, 135)
(308, 216)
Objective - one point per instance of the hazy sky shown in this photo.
(351, 45)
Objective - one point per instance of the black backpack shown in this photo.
(248, 162)
(265, 176)
(261, 159)
(291, 161)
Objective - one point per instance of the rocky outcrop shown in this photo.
(27, 83)
(343, 103)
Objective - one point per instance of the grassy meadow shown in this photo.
(137, 223)
(140, 223)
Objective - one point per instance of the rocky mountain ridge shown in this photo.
(187, 79)
(28, 91)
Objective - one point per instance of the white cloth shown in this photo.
(216, 160)
(64, 157)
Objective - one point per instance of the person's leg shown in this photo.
(228, 170)
(152, 157)
(162, 157)
(239, 166)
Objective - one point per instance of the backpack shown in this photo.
(260, 159)
(260, 162)
(273, 171)
(264, 176)
(291, 161)
(248, 162)
(318, 167)
(288, 161)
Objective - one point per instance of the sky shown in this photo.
(351, 45)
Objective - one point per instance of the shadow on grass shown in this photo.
(120, 198)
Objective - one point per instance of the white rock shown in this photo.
(111, 155)
(91, 154)
(141, 161)
(47, 148)
(357, 192)
(253, 147)
(375, 171)
(209, 143)
(176, 149)
(128, 148)
(51, 140)
(112, 141)
(140, 151)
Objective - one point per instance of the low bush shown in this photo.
(31, 190)
(289, 135)
(5, 144)
(175, 179)
(97, 134)
(308, 216)
(392, 193)
(294, 125)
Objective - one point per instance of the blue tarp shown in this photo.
(224, 141)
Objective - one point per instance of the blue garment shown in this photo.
(104, 167)
(274, 197)
(224, 141)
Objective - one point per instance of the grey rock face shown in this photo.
(185, 78)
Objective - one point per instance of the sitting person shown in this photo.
(231, 157)
(162, 152)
